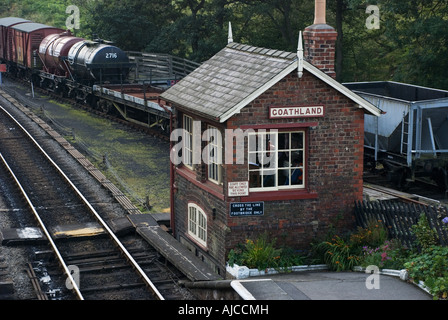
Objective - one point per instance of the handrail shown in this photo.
(163, 64)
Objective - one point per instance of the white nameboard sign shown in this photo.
(282, 112)
(238, 189)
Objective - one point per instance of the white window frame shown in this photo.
(197, 224)
(271, 173)
(188, 141)
(214, 154)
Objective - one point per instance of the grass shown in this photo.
(137, 159)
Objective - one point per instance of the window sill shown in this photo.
(194, 241)
(280, 195)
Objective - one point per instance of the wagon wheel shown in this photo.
(403, 181)
(441, 178)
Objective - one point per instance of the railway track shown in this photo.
(418, 192)
(162, 135)
(91, 262)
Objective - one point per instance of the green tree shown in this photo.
(47, 12)
(410, 46)
(271, 23)
(418, 30)
(363, 54)
(198, 32)
(131, 24)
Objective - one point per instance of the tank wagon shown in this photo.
(72, 65)
(410, 139)
(98, 61)
(91, 71)
(54, 59)
(52, 51)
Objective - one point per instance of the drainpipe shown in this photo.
(172, 224)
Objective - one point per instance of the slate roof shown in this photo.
(237, 75)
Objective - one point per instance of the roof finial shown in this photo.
(230, 37)
(320, 12)
(300, 56)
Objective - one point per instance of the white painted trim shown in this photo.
(314, 71)
(199, 212)
(237, 108)
(342, 89)
(241, 290)
(243, 272)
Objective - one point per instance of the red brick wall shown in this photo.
(335, 164)
(214, 254)
(320, 47)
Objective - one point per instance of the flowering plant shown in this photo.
(339, 254)
(373, 235)
(263, 253)
(378, 256)
(391, 254)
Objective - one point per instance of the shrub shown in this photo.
(373, 235)
(289, 258)
(431, 267)
(262, 254)
(425, 235)
(367, 246)
(390, 255)
(339, 254)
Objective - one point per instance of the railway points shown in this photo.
(64, 230)
(40, 209)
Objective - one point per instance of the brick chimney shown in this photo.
(320, 41)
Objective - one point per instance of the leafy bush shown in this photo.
(426, 236)
(263, 254)
(431, 267)
(339, 254)
(390, 255)
(367, 246)
(343, 254)
(373, 235)
(289, 258)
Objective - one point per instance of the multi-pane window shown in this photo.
(188, 141)
(197, 224)
(214, 151)
(276, 160)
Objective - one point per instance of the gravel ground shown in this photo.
(146, 168)
(136, 159)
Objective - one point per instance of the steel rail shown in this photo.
(145, 278)
(44, 229)
(397, 195)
